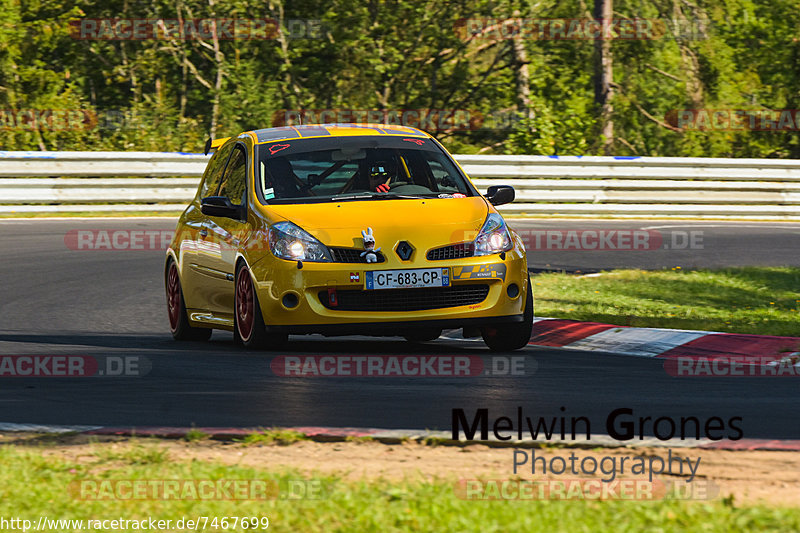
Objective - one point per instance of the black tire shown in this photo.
(423, 335)
(248, 323)
(508, 337)
(179, 324)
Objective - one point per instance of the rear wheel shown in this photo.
(248, 327)
(176, 309)
(507, 337)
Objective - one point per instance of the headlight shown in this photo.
(494, 236)
(288, 241)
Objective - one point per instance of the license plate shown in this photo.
(407, 279)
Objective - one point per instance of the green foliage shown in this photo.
(277, 436)
(138, 454)
(761, 301)
(194, 435)
(36, 485)
(169, 94)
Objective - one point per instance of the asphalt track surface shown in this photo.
(57, 301)
(686, 244)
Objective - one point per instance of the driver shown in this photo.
(381, 174)
(284, 180)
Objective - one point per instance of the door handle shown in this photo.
(204, 233)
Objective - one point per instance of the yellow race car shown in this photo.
(345, 229)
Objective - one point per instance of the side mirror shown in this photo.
(500, 194)
(221, 206)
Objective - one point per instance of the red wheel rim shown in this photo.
(173, 296)
(245, 311)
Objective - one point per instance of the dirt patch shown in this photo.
(769, 477)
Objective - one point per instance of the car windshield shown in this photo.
(357, 168)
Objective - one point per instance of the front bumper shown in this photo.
(310, 285)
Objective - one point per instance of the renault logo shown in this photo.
(404, 250)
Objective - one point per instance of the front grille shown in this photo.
(453, 251)
(406, 299)
(351, 255)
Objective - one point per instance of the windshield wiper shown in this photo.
(393, 196)
(358, 196)
(376, 196)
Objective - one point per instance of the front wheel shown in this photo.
(248, 327)
(507, 337)
(176, 310)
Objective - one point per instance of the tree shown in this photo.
(604, 73)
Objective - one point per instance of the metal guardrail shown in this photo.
(100, 164)
(572, 185)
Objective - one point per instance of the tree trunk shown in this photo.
(219, 61)
(291, 92)
(522, 78)
(689, 61)
(184, 71)
(604, 70)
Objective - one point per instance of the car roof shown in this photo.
(332, 130)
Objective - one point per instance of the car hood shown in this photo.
(429, 221)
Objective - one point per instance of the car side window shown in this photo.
(213, 173)
(235, 177)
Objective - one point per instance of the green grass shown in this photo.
(763, 301)
(365, 438)
(195, 434)
(138, 454)
(32, 485)
(273, 436)
(435, 441)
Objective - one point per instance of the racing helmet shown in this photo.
(382, 170)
